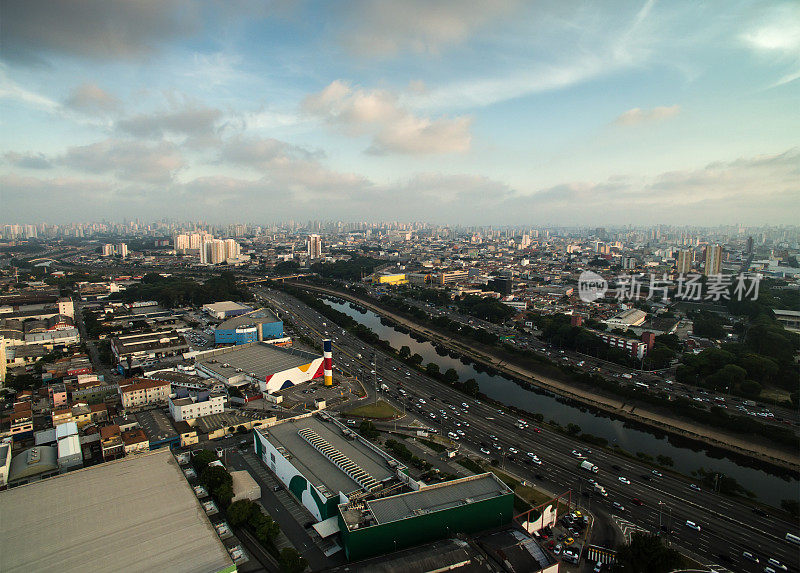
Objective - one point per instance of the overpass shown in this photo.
(266, 279)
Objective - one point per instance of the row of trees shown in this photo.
(248, 515)
(244, 513)
(175, 291)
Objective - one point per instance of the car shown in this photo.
(485, 451)
(645, 477)
(557, 549)
(777, 564)
(692, 525)
(276, 488)
(537, 430)
(617, 505)
(591, 481)
(497, 447)
(513, 450)
(432, 416)
(694, 486)
(598, 567)
(759, 511)
(493, 437)
(637, 501)
(616, 467)
(749, 557)
(422, 401)
(577, 454)
(624, 480)
(668, 530)
(220, 452)
(656, 473)
(569, 541)
(461, 432)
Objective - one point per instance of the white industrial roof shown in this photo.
(66, 429)
(134, 514)
(69, 446)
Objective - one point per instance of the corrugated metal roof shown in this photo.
(437, 498)
(69, 446)
(66, 429)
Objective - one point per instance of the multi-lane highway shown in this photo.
(654, 381)
(727, 527)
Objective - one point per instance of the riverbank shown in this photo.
(613, 406)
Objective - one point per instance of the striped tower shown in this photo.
(327, 361)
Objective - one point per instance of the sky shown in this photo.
(444, 111)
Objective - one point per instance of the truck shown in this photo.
(597, 488)
(589, 466)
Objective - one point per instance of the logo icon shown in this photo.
(591, 286)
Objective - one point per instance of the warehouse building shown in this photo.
(271, 367)
(227, 309)
(324, 464)
(258, 325)
(356, 489)
(465, 505)
(137, 513)
(134, 348)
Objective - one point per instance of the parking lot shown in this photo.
(343, 392)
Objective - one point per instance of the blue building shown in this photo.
(255, 326)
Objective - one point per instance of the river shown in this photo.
(769, 488)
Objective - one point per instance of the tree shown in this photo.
(201, 460)
(792, 506)
(405, 352)
(665, 460)
(750, 389)
(224, 494)
(239, 512)
(213, 477)
(415, 359)
(432, 369)
(573, 429)
(647, 553)
(450, 376)
(291, 561)
(471, 387)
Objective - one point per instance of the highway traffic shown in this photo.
(725, 528)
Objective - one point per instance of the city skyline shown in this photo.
(507, 114)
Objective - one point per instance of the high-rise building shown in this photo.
(314, 246)
(684, 262)
(181, 243)
(749, 247)
(713, 260)
(232, 249)
(108, 250)
(122, 250)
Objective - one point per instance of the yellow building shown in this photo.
(395, 279)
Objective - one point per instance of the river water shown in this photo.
(769, 488)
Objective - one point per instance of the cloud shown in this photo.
(382, 28)
(96, 29)
(638, 115)
(263, 154)
(199, 124)
(393, 128)
(13, 91)
(290, 168)
(28, 160)
(91, 98)
(777, 37)
(589, 44)
(744, 189)
(127, 160)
